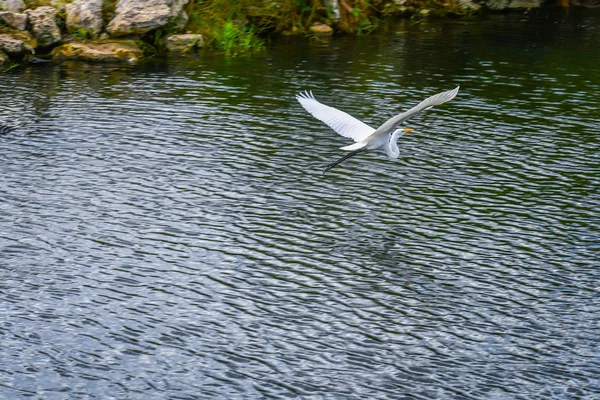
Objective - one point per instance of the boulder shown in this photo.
(14, 20)
(182, 43)
(43, 26)
(113, 51)
(134, 17)
(17, 43)
(86, 16)
(321, 30)
(14, 6)
(179, 22)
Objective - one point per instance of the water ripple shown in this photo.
(168, 232)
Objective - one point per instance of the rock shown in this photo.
(137, 17)
(468, 5)
(17, 43)
(182, 43)
(14, 20)
(43, 26)
(3, 58)
(520, 4)
(114, 51)
(179, 22)
(425, 12)
(496, 4)
(14, 6)
(59, 5)
(85, 15)
(397, 8)
(321, 30)
(11, 45)
(499, 5)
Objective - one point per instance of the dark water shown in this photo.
(166, 232)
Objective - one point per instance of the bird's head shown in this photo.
(407, 130)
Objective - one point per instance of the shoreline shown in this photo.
(127, 32)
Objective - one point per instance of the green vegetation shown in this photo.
(11, 66)
(233, 39)
(82, 34)
(225, 25)
(236, 27)
(108, 10)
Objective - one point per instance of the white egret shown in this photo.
(367, 138)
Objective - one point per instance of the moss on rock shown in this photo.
(109, 51)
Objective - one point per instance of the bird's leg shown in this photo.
(347, 156)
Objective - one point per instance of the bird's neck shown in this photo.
(392, 149)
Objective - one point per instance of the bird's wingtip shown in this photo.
(305, 95)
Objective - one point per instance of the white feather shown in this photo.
(341, 122)
(354, 146)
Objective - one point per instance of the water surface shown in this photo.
(166, 231)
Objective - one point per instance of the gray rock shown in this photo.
(520, 4)
(14, 6)
(43, 26)
(17, 44)
(182, 43)
(59, 5)
(137, 17)
(179, 22)
(85, 15)
(14, 20)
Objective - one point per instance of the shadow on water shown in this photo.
(167, 231)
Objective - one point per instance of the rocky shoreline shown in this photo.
(80, 30)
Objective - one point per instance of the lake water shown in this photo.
(166, 231)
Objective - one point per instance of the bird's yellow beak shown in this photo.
(406, 130)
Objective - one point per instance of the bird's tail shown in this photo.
(347, 156)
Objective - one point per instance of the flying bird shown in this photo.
(366, 138)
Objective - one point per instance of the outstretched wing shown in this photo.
(429, 102)
(344, 124)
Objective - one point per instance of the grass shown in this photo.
(11, 66)
(234, 39)
(225, 26)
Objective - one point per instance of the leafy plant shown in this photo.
(233, 39)
(82, 34)
(226, 25)
(158, 34)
